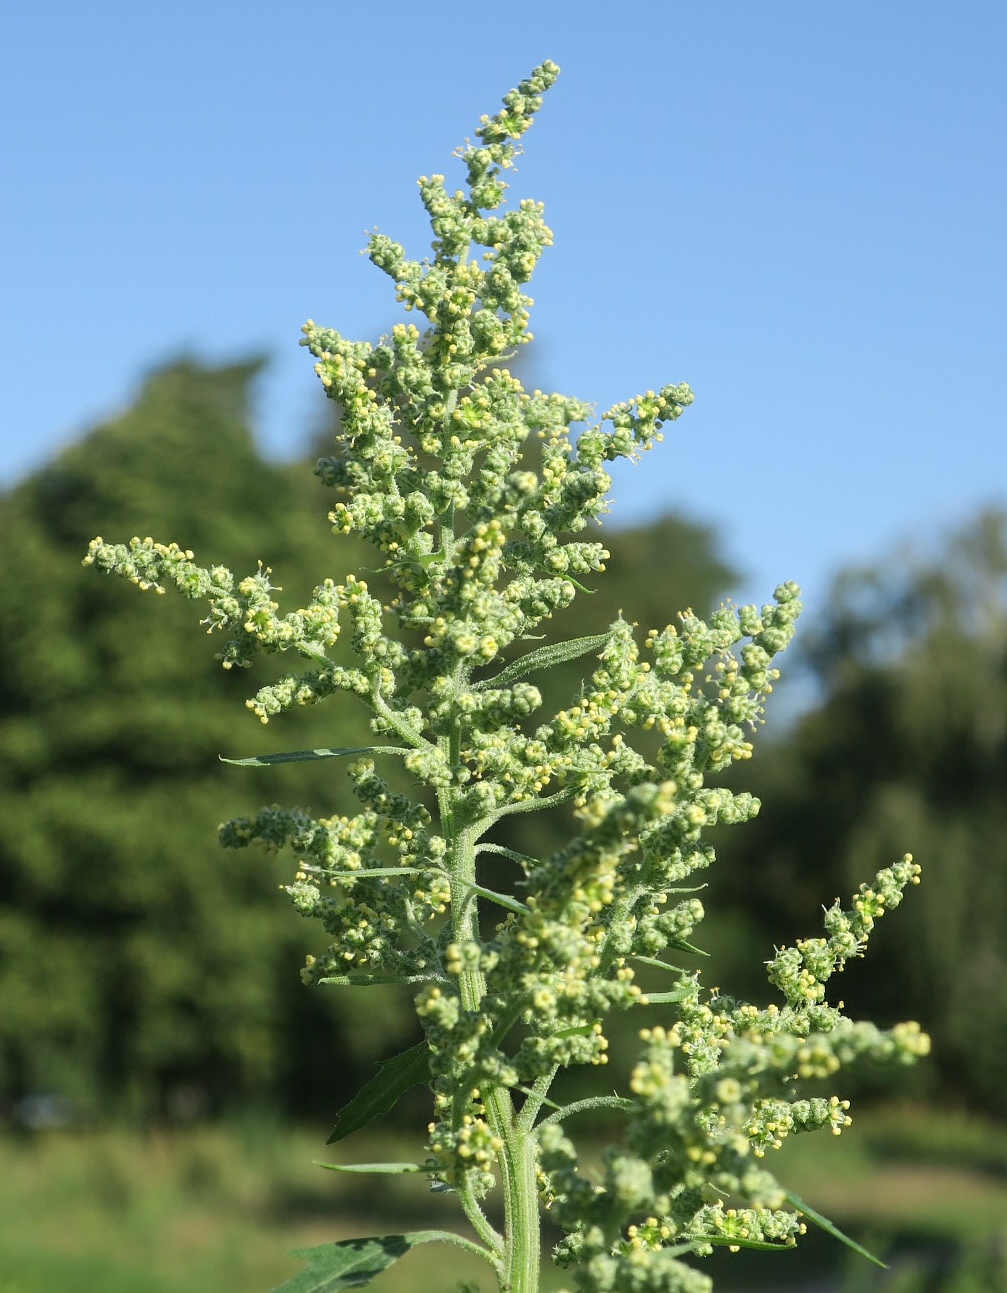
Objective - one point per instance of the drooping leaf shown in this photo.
(545, 657)
(352, 1263)
(396, 1075)
(383, 1169)
(830, 1229)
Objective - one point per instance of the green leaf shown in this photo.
(524, 859)
(376, 980)
(760, 1245)
(386, 1169)
(722, 1241)
(501, 899)
(394, 1076)
(365, 873)
(825, 1224)
(545, 657)
(662, 998)
(352, 1263)
(308, 756)
(661, 965)
(683, 945)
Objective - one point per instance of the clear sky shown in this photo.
(798, 208)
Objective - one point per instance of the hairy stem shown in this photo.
(521, 1243)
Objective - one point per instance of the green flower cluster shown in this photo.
(711, 1095)
(471, 490)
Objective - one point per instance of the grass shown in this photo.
(215, 1210)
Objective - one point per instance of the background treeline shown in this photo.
(145, 971)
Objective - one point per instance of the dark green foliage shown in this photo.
(908, 749)
(137, 959)
(141, 966)
(394, 1077)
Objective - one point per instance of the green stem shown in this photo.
(592, 1102)
(480, 1223)
(521, 1243)
(536, 1099)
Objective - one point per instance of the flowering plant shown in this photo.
(471, 490)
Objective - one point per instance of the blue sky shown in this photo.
(798, 209)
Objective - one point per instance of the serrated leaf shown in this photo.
(394, 1076)
(825, 1224)
(308, 756)
(545, 657)
(382, 1169)
(351, 1263)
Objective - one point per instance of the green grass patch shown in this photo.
(218, 1208)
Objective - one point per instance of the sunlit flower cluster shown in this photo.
(471, 491)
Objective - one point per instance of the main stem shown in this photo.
(522, 1243)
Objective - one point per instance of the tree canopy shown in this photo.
(907, 749)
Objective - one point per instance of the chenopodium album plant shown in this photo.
(474, 538)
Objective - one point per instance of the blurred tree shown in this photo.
(136, 958)
(140, 965)
(907, 750)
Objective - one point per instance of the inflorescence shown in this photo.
(472, 491)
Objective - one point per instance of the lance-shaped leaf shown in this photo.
(308, 756)
(366, 873)
(683, 945)
(662, 998)
(523, 859)
(394, 1076)
(378, 980)
(352, 1263)
(501, 899)
(381, 1169)
(830, 1229)
(760, 1245)
(661, 965)
(545, 657)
